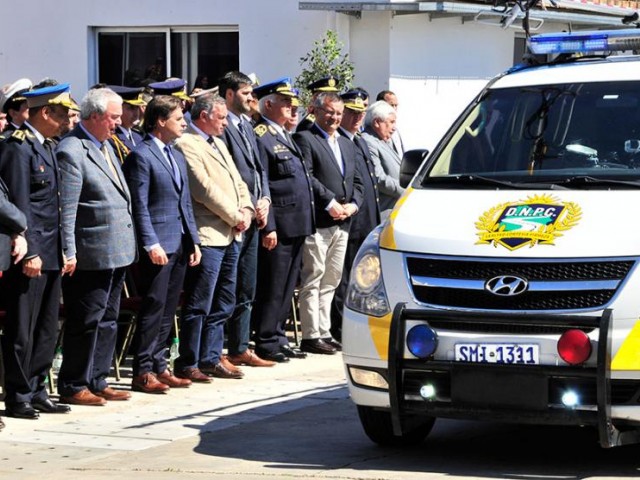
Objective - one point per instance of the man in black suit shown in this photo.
(167, 237)
(338, 189)
(327, 83)
(368, 215)
(236, 88)
(13, 224)
(30, 170)
(290, 220)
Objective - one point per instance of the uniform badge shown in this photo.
(539, 219)
(260, 130)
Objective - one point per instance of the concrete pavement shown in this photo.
(187, 430)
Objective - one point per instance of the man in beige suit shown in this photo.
(223, 210)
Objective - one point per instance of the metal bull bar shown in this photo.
(609, 435)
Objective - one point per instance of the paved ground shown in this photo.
(224, 428)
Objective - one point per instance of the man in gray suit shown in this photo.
(97, 227)
(379, 125)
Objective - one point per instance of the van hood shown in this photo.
(515, 223)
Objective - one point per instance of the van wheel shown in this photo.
(377, 426)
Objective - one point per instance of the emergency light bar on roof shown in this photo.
(585, 42)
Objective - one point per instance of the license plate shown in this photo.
(507, 353)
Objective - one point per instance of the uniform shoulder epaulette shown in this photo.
(19, 135)
(311, 117)
(260, 129)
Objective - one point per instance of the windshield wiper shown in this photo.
(479, 180)
(589, 181)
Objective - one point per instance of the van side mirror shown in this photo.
(411, 162)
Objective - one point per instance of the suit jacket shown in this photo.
(218, 191)
(97, 221)
(162, 208)
(368, 215)
(31, 173)
(292, 206)
(245, 164)
(387, 168)
(328, 181)
(12, 221)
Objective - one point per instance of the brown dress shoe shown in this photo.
(172, 381)
(220, 371)
(224, 361)
(112, 394)
(194, 374)
(83, 397)
(248, 357)
(148, 383)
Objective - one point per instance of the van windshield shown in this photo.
(582, 135)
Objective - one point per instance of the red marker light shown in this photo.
(574, 347)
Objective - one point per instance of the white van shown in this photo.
(505, 283)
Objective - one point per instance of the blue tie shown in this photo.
(174, 165)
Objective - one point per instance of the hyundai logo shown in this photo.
(506, 285)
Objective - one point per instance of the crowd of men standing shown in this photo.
(208, 201)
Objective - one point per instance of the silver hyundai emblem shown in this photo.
(506, 285)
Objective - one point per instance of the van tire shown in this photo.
(377, 426)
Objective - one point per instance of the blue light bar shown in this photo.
(585, 42)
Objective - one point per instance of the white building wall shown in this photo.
(58, 41)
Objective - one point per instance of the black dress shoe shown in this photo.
(292, 352)
(317, 345)
(49, 406)
(334, 343)
(220, 371)
(21, 410)
(273, 356)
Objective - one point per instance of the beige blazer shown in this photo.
(217, 189)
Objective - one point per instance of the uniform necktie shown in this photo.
(257, 190)
(174, 165)
(112, 168)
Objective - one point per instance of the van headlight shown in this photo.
(366, 293)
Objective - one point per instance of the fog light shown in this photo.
(428, 391)
(422, 341)
(368, 378)
(574, 347)
(570, 399)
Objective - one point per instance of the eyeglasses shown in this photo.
(330, 113)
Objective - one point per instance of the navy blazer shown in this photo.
(292, 210)
(162, 208)
(12, 221)
(241, 157)
(328, 181)
(97, 223)
(32, 177)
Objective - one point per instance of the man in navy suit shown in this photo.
(236, 88)
(99, 243)
(338, 189)
(30, 170)
(291, 219)
(157, 178)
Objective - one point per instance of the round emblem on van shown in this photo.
(506, 285)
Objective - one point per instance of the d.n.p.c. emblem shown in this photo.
(539, 219)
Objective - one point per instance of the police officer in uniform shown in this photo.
(14, 103)
(368, 216)
(30, 170)
(329, 83)
(290, 220)
(126, 137)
